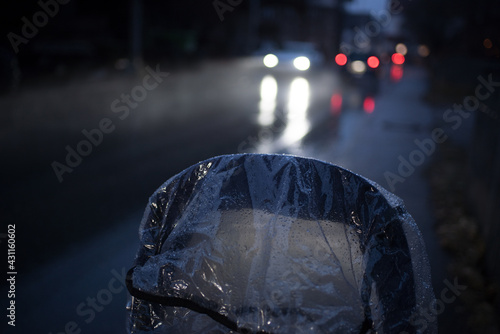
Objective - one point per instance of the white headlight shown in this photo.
(301, 63)
(270, 60)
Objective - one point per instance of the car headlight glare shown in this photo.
(270, 60)
(301, 63)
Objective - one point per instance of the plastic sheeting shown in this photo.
(277, 244)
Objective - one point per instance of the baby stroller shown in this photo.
(255, 243)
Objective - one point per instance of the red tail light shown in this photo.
(341, 59)
(373, 62)
(398, 58)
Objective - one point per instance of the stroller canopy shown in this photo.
(255, 243)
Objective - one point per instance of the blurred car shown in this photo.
(358, 67)
(359, 73)
(290, 56)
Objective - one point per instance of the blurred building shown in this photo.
(86, 34)
(316, 21)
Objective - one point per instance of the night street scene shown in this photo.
(250, 166)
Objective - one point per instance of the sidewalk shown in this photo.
(373, 144)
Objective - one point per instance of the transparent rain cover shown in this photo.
(255, 243)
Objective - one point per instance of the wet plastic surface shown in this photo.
(277, 244)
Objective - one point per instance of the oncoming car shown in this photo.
(290, 56)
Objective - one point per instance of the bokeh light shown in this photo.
(398, 58)
(301, 63)
(358, 67)
(341, 59)
(401, 48)
(270, 60)
(373, 62)
(423, 51)
(369, 104)
(396, 73)
(487, 43)
(336, 103)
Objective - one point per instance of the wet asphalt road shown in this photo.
(78, 236)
